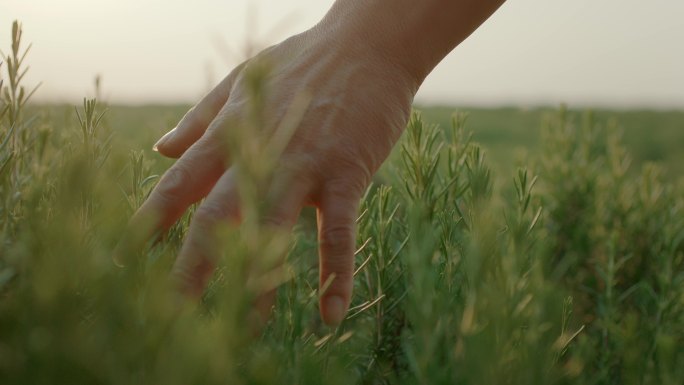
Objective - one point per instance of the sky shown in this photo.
(599, 53)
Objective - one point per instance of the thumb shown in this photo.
(337, 237)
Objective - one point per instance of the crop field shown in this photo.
(495, 246)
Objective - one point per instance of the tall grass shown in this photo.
(571, 271)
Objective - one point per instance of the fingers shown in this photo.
(202, 248)
(199, 254)
(337, 236)
(195, 122)
(186, 182)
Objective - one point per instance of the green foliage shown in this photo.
(617, 242)
(571, 272)
(513, 136)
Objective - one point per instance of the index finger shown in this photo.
(186, 182)
(195, 122)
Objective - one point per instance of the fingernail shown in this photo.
(164, 139)
(334, 310)
(120, 250)
(118, 260)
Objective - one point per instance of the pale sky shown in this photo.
(614, 53)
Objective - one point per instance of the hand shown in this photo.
(359, 103)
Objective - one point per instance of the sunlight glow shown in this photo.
(534, 51)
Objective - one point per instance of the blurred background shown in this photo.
(467, 274)
(612, 53)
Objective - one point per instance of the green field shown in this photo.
(543, 249)
(509, 135)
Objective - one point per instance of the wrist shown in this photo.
(366, 29)
(413, 36)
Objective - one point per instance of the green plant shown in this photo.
(573, 272)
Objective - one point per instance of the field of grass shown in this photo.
(563, 265)
(513, 134)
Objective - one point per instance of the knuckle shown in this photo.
(227, 117)
(183, 274)
(191, 275)
(172, 184)
(274, 220)
(337, 242)
(201, 115)
(209, 213)
(348, 190)
(350, 176)
(197, 118)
